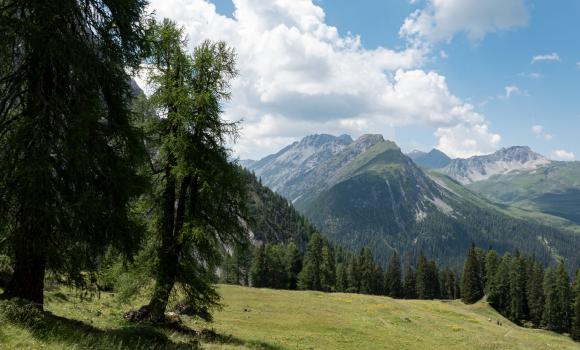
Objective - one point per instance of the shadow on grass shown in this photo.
(49, 328)
(231, 340)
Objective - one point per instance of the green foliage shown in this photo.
(491, 265)
(393, 285)
(575, 328)
(200, 198)
(518, 281)
(68, 151)
(427, 279)
(558, 297)
(310, 276)
(535, 292)
(499, 290)
(471, 284)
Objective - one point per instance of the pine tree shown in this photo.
(556, 315)
(259, 270)
(535, 292)
(353, 275)
(471, 286)
(427, 279)
(575, 328)
(367, 271)
(67, 147)
(341, 278)
(393, 286)
(518, 300)
(293, 265)
(309, 278)
(499, 294)
(410, 283)
(201, 194)
(491, 264)
(434, 285)
(327, 270)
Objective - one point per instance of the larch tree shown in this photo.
(200, 195)
(68, 150)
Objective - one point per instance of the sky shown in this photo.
(465, 76)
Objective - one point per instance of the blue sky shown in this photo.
(471, 60)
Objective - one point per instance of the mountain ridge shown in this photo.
(369, 193)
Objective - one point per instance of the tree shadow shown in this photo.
(48, 328)
(209, 336)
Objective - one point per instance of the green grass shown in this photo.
(269, 319)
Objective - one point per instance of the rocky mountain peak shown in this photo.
(505, 160)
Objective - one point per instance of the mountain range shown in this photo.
(366, 192)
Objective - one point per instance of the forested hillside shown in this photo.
(369, 194)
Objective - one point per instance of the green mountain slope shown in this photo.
(384, 201)
(553, 189)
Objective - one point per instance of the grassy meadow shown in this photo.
(271, 319)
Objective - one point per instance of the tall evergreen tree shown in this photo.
(367, 271)
(491, 264)
(518, 280)
(259, 270)
(410, 282)
(556, 315)
(294, 265)
(471, 285)
(341, 278)
(67, 147)
(327, 270)
(499, 293)
(535, 292)
(201, 195)
(393, 285)
(353, 275)
(309, 277)
(575, 329)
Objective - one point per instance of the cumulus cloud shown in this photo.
(538, 130)
(463, 141)
(440, 20)
(560, 154)
(298, 76)
(549, 57)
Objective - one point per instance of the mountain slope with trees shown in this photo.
(379, 198)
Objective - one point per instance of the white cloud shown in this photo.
(563, 155)
(539, 131)
(532, 75)
(511, 90)
(440, 20)
(443, 54)
(549, 57)
(463, 141)
(298, 76)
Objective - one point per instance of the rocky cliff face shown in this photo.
(506, 160)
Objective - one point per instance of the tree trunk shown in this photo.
(27, 282)
(173, 218)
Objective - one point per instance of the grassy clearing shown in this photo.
(269, 319)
